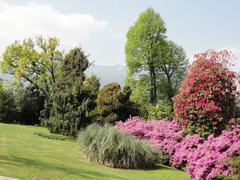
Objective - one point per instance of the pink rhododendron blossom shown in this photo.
(207, 95)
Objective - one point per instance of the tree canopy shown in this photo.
(155, 65)
(35, 62)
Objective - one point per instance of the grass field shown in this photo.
(26, 155)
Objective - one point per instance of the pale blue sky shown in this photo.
(195, 25)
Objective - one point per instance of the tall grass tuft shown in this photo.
(108, 146)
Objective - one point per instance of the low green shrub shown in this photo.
(161, 110)
(108, 146)
(235, 162)
(51, 136)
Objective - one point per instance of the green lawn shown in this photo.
(25, 155)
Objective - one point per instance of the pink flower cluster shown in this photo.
(211, 158)
(164, 135)
(202, 159)
(185, 149)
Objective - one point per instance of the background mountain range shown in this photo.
(108, 74)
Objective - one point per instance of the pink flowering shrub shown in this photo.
(211, 157)
(185, 149)
(203, 159)
(207, 95)
(164, 135)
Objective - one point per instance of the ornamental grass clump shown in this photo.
(108, 146)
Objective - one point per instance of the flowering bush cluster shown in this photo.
(211, 157)
(185, 149)
(207, 95)
(203, 159)
(162, 134)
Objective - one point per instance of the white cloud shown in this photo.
(18, 22)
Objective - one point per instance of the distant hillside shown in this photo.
(108, 74)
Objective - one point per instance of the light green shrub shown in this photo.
(160, 111)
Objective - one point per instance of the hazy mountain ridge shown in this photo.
(109, 74)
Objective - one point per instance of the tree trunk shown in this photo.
(170, 92)
(153, 91)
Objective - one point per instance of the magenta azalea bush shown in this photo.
(185, 149)
(203, 159)
(164, 135)
(211, 157)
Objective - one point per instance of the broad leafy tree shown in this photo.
(155, 65)
(144, 40)
(171, 70)
(34, 62)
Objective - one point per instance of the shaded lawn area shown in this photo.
(25, 155)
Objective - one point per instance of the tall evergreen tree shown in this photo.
(70, 100)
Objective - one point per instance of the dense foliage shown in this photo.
(7, 106)
(206, 99)
(161, 110)
(20, 105)
(203, 159)
(71, 100)
(237, 107)
(114, 104)
(108, 146)
(29, 102)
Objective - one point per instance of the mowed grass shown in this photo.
(26, 155)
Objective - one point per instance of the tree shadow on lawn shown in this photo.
(19, 161)
(167, 168)
(43, 166)
(159, 167)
